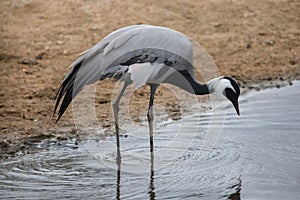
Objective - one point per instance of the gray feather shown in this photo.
(126, 46)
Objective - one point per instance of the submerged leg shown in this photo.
(151, 184)
(116, 115)
(150, 115)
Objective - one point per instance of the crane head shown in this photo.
(232, 92)
(228, 87)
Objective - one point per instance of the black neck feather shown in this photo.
(185, 81)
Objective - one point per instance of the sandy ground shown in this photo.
(257, 42)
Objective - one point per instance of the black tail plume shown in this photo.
(66, 91)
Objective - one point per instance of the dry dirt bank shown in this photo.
(257, 42)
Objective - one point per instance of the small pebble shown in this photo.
(293, 62)
(28, 61)
(270, 42)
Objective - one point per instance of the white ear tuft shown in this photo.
(218, 86)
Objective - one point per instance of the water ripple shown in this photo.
(256, 157)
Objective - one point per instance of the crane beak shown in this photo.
(233, 97)
(236, 106)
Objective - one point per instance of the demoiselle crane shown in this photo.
(141, 54)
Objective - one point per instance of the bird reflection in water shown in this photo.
(151, 191)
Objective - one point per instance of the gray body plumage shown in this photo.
(155, 49)
(136, 44)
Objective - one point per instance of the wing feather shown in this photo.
(119, 46)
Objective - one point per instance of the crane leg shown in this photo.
(150, 115)
(116, 116)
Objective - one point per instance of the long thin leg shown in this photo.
(116, 115)
(118, 185)
(150, 115)
(151, 185)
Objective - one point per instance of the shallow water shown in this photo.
(256, 157)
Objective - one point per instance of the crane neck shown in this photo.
(187, 82)
(199, 89)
